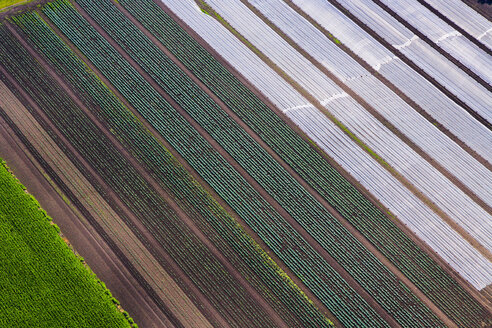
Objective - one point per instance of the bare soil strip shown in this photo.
(468, 237)
(405, 59)
(210, 311)
(373, 111)
(93, 249)
(112, 223)
(415, 31)
(456, 27)
(169, 200)
(86, 238)
(332, 162)
(487, 292)
(386, 82)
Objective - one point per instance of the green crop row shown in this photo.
(297, 201)
(44, 284)
(190, 254)
(324, 281)
(378, 228)
(173, 177)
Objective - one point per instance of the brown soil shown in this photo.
(146, 238)
(82, 236)
(487, 292)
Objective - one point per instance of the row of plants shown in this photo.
(298, 202)
(168, 229)
(171, 175)
(323, 280)
(373, 223)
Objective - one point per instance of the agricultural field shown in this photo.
(7, 3)
(44, 284)
(247, 163)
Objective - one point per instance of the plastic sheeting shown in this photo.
(377, 180)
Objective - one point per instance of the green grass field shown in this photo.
(7, 3)
(42, 282)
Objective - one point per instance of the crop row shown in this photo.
(245, 201)
(375, 226)
(162, 166)
(174, 236)
(38, 266)
(314, 218)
